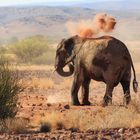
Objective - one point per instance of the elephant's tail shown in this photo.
(135, 83)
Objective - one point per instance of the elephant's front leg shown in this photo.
(74, 91)
(85, 92)
(78, 79)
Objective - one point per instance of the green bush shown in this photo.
(3, 50)
(46, 58)
(28, 49)
(9, 89)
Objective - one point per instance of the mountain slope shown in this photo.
(21, 22)
(113, 5)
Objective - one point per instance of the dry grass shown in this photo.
(40, 83)
(93, 119)
(55, 119)
(66, 84)
(16, 125)
(45, 83)
(35, 67)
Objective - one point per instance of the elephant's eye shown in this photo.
(58, 53)
(61, 54)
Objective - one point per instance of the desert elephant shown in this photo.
(104, 59)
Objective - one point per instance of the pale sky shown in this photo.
(21, 2)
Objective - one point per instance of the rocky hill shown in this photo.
(21, 22)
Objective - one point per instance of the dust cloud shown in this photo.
(101, 23)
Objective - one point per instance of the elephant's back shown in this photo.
(105, 48)
(90, 49)
(100, 38)
(92, 46)
(105, 43)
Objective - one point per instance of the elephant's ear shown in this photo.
(69, 45)
(62, 41)
(60, 45)
(72, 42)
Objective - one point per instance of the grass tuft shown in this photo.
(45, 127)
(16, 125)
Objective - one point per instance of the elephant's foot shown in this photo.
(106, 101)
(86, 103)
(77, 103)
(127, 99)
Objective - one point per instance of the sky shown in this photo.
(28, 2)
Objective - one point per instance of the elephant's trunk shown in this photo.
(63, 73)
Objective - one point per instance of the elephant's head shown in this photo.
(64, 55)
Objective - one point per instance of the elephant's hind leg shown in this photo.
(85, 92)
(126, 90)
(125, 82)
(108, 95)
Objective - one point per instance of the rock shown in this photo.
(66, 106)
(104, 139)
(74, 129)
(40, 104)
(62, 110)
(134, 131)
(21, 106)
(48, 104)
(116, 136)
(121, 130)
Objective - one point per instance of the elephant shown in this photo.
(105, 59)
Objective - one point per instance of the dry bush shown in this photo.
(56, 120)
(135, 103)
(72, 120)
(15, 125)
(116, 118)
(59, 125)
(77, 119)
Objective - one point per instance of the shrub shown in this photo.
(15, 125)
(28, 49)
(46, 58)
(59, 126)
(3, 49)
(9, 89)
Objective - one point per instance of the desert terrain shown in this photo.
(45, 111)
(44, 105)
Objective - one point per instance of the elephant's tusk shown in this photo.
(54, 71)
(69, 60)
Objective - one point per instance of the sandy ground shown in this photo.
(43, 99)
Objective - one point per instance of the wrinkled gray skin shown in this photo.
(103, 59)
